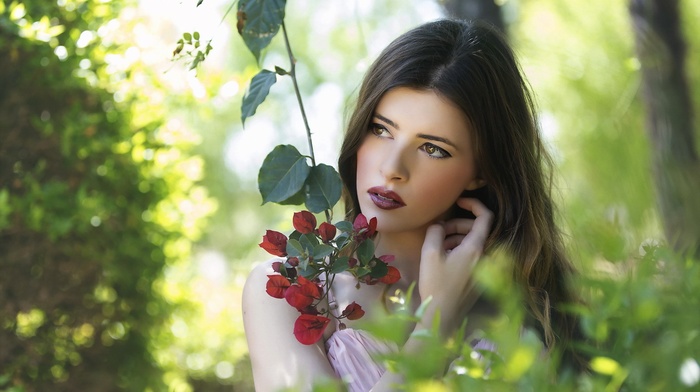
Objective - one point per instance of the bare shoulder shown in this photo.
(269, 326)
(257, 279)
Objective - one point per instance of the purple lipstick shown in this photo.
(384, 198)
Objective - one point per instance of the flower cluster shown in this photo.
(313, 256)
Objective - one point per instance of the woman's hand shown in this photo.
(450, 253)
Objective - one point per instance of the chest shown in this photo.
(377, 301)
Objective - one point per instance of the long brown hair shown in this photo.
(472, 65)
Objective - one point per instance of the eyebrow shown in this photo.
(420, 135)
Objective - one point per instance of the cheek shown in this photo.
(442, 192)
(444, 188)
(364, 159)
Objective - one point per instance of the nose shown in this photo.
(394, 164)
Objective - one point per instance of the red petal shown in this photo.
(360, 222)
(296, 297)
(275, 243)
(304, 222)
(308, 329)
(309, 288)
(372, 228)
(277, 285)
(387, 258)
(392, 276)
(326, 231)
(364, 229)
(353, 311)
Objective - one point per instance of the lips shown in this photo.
(384, 198)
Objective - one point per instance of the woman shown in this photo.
(443, 149)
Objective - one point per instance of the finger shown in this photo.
(481, 227)
(458, 226)
(432, 245)
(452, 241)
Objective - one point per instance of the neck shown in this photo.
(406, 249)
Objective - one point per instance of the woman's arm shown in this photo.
(446, 278)
(278, 359)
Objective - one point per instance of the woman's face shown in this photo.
(415, 160)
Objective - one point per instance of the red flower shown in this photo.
(352, 262)
(275, 243)
(304, 222)
(277, 285)
(308, 328)
(392, 276)
(387, 258)
(363, 229)
(303, 294)
(326, 231)
(353, 311)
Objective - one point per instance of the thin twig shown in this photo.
(293, 74)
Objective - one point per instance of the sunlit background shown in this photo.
(578, 55)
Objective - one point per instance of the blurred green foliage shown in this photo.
(98, 196)
(106, 278)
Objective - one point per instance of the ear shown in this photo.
(475, 184)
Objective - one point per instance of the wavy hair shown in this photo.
(472, 65)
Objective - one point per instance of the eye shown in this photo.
(379, 130)
(434, 151)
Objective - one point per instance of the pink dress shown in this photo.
(355, 355)
(352, 354)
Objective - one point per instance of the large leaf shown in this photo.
(257, 92)
(296, 200)
(282, 174)
(324, 188)
(258, 22)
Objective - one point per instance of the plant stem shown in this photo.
(293, 74)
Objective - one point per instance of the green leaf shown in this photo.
(263, 19)
(257, 92)
(322, 250)
(282, 174)
(344, 226)
(303, 263)
(308, 242)
(362, 271)
(296, 200)
(379, 269)
(324, 188)
(294, 248)
(340, 264)
(309, 271)
(281, 71)
(365, 252)
(187, 37)
(195, 35)
(342, 240)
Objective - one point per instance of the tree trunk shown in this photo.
(486, 10)
(669, 123)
